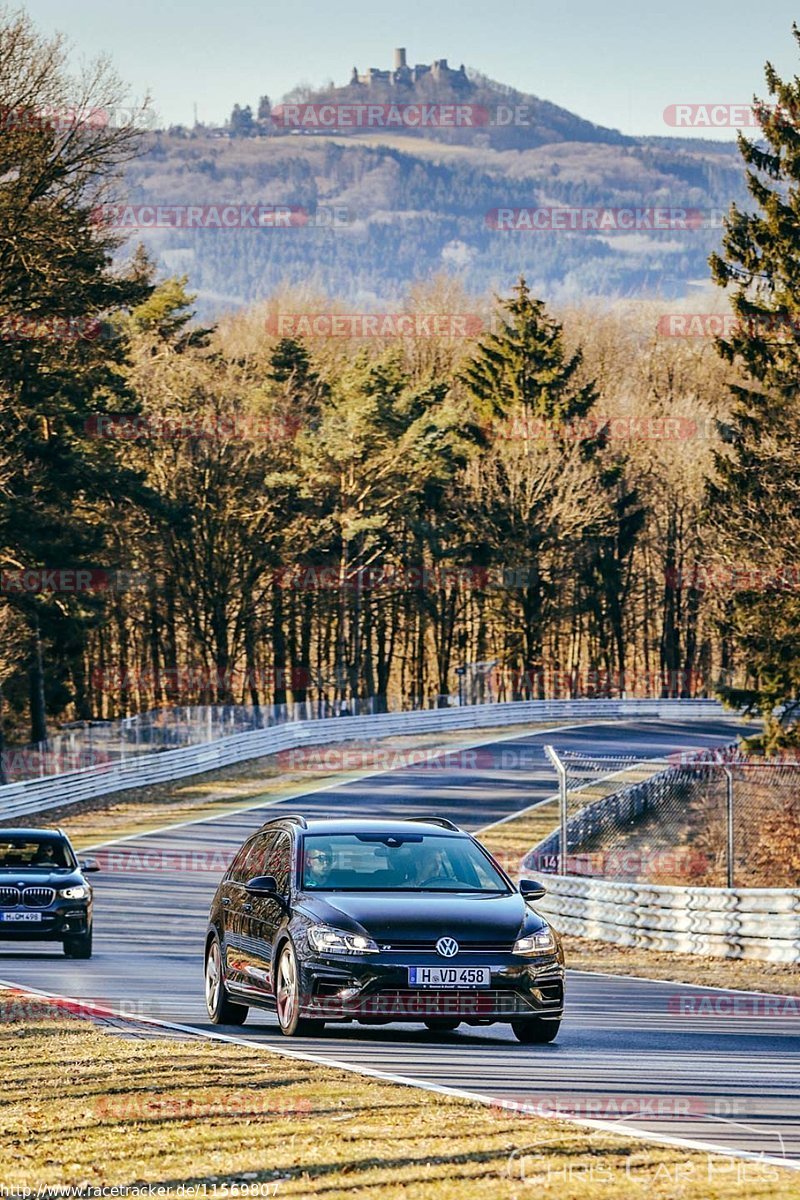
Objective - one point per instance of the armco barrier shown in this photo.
(754, 923)
(38, 795)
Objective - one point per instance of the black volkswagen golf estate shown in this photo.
(378, 921)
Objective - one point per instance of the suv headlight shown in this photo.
(541, 942)
(79, 892)
(338, 941)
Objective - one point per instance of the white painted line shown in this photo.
(440, 1089)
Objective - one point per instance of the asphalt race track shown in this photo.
(714, 1078)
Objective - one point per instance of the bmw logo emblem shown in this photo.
(447, 947)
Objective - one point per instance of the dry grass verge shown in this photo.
(257, 1124)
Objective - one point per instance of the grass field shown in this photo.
(80, 1105)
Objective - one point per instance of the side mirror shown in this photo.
(263, 885)
(87, 865)
(529, 889)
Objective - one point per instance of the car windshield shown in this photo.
(35, 854)
(413, 862)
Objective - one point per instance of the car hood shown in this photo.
(43, 878)
(426, 916)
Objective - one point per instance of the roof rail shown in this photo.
(296, 817)
(443, 821)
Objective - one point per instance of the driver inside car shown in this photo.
(319, 864)
(433, 868)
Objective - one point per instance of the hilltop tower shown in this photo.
(402, 74)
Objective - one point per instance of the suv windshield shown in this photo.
(35, 854)
(413, 862)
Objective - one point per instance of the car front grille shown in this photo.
(29, 897)
(429, 947)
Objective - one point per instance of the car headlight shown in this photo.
(338, 941)
(79, 892)
(541, 942)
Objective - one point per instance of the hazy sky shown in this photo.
(618, 64)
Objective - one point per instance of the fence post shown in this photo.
(561, 771)
(729, 822)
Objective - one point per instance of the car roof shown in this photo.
(317, 825)
(32, 833)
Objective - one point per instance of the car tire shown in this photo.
(221, 1009)
(287, 996)
(441, 1024)
(535, 1031)
(79, 945)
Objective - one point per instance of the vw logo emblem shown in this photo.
(447, 947)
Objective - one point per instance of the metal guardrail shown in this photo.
(755, 923)
(39, 795)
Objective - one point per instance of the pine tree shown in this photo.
(755, 501)
(538, 493)
(526, 364)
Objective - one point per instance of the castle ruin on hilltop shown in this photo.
(402, 74)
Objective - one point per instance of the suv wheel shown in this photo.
(287, 997)
(535, 1030)
(79, 945)
(221, 1009)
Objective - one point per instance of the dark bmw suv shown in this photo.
(378, 921)
(43, 893)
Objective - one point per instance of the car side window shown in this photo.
(244, 865)
(279, 861)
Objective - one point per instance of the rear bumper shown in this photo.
(370, 992)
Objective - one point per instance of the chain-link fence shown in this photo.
(692, 820)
